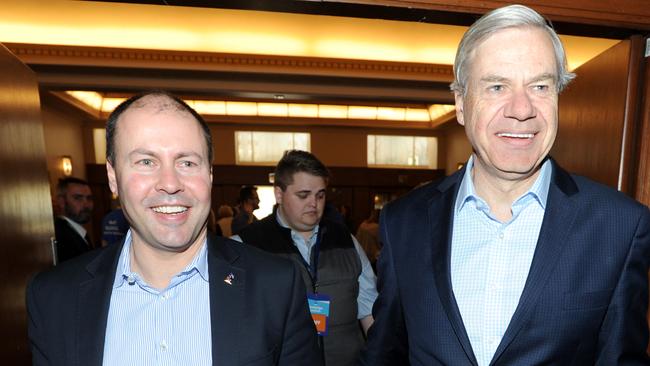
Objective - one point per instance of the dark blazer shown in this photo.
(584, 301)
(69, 243)
(261, 319)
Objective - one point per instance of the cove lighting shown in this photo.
(106, 105)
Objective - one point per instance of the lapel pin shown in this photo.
(229, 278)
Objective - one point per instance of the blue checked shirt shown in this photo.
(490, 260)
(167, 327)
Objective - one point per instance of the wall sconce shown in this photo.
(66, 165)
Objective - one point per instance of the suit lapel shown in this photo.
(227, 290)
(441, 211)
(93, 303)
(558, 220)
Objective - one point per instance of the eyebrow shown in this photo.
(309, 191)
(501, 79)
(544, 76)
(180, 155)
(494, 79)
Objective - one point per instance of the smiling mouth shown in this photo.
(516, 135)
(170, 210)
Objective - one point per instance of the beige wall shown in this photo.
(64, 135)
(335, 146)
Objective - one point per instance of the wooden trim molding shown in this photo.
(35, 54)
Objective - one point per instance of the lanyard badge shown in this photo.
(319, 306)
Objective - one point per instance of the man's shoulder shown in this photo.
(597, 194)
(246, 256)
(421, 196)
(75, 270)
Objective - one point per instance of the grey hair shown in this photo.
(502, 18)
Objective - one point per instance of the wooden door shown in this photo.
(25, 203)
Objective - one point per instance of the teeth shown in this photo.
(517, 135)
(170, 209)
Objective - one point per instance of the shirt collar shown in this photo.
(294, 233)
(124, 273)
(539, 189)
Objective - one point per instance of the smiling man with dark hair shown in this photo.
(169, 293)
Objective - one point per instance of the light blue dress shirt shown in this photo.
(490, 259)
(171, 326)
(367, 279)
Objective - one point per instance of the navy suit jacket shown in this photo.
(584, 301)
(261, 319)
(69, 243)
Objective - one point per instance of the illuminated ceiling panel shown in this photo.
(106, 105)
(87, 23)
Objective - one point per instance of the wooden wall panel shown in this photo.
(25, 203)
(643, 172)
(592, 117)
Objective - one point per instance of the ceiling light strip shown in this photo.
(289, 110)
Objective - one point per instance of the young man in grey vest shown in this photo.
(340, 282)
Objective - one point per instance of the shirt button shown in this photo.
(163, 345)
(501, 235)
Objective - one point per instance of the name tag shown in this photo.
(319, 306)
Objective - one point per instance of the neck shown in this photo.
(500, 192)
(305, 234)
(157, 266)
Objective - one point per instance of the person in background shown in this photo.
(114, 227)
(213, 228)
(247, 203)
(511, 260)
(368, 236)
(224, 220)
(75, 200)
(170, 293)
(338, 276)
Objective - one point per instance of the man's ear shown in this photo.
(459, 108)
(112, 181)
(277, 191)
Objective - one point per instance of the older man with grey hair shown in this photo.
(511, 260)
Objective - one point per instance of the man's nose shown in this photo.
(169, 181)
(520, 106)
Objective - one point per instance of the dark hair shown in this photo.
(179, 104)
(63, 183)
(246, 193)
(297, 161)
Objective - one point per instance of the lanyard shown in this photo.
(312, 266)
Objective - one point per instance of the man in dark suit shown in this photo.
(75, 199)
(511, 261)
(168, 293)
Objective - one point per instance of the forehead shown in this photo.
(306, 181)
(76, 188)
(514, 50)
(158, 123)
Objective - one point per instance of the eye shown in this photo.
(496, 88)
(541, 87)
(320, 195)
(187, 164)
(302, 195)
(145, 162)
